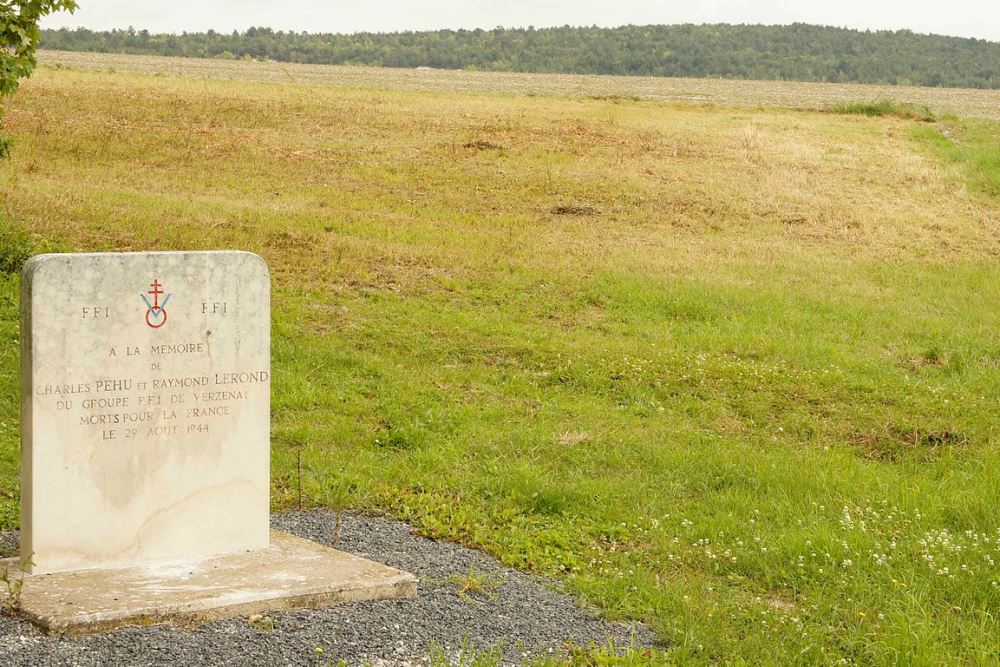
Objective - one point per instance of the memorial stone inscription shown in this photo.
(145, 408)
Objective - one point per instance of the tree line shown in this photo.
(798, 52)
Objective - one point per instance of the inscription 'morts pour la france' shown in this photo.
(145, 419)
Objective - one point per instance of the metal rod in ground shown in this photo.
(298, 456)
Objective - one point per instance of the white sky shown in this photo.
(966, 18)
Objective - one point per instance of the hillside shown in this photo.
(797, 52)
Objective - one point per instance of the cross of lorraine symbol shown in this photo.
(156, 313)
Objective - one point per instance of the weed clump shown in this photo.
(14, 584)
(882, 108)
(15, 249)
(261, 622)
(475, 584)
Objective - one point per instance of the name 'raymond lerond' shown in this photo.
(116, 385)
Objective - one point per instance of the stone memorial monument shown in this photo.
(145, 389)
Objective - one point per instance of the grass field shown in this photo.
(788, 94)
(731, 371)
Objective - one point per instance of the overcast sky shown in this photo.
(967, 18)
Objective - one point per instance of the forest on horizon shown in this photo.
(797, 52)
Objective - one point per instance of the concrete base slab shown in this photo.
(293, 573)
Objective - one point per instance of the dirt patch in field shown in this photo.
(894, 443)
(481, 145)
(575, 209)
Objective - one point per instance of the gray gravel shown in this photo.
(515, 614)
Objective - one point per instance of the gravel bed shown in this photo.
(514, 614)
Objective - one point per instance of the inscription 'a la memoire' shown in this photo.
(160, 350)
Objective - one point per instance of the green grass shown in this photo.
(692, 465)
(973, 144)
(880, 108)
(750, 400)
(15, 247)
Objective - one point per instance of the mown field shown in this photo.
(731, 371)
(791, 94)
